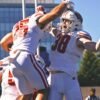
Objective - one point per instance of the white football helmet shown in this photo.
(73, 19)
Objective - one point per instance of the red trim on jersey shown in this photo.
(40, 71)
(10, 79)
(83, 35)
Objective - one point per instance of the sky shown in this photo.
(90, 11)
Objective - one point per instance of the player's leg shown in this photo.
(27, 69)
(28, 75)
(42, 94)
(35, 76)
(25, 97)
(34, 95)
(55, 81)
(54, 94)
(73, 91)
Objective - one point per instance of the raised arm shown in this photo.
(6, 42)
(53, 14)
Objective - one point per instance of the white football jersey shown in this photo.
(65, 55)
(26, 33)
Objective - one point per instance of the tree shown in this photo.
(89, 73)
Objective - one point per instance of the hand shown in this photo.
(70, 4)
(98, 46)
(40, 8)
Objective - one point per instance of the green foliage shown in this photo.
(89, 73)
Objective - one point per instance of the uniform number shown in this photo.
(61, 43)
(21, 28)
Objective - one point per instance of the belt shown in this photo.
(55, 72)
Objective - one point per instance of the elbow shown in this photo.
(3, 45)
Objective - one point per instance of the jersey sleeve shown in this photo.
(33, 21)
(83, 34)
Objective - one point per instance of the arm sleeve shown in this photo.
(83, 34)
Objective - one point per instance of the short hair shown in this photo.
(93, 90)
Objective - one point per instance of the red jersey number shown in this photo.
(61, 43)
(21, 28)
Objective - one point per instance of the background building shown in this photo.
(11, 12)
(27, 1)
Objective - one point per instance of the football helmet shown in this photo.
(73, 19)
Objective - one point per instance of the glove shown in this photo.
(70, 4)
(98, 46)
(40, 8)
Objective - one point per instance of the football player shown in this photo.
(65, 55)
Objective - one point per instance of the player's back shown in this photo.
(26, 34)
